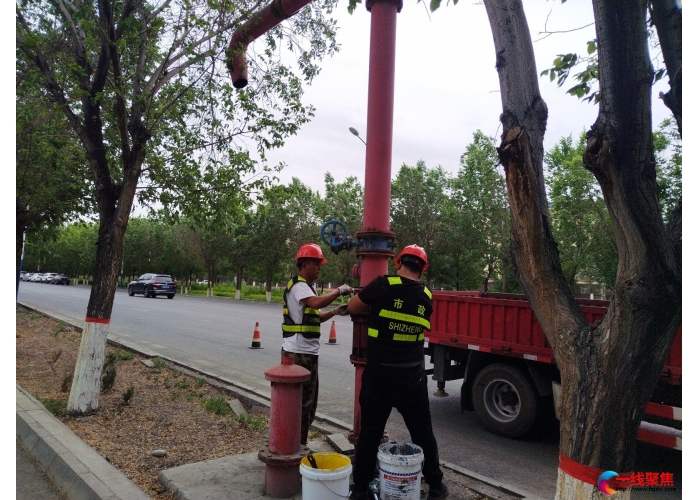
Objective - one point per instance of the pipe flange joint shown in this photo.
(372, 242)
(266, 456)
(397, 3)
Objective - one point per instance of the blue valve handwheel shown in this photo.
(334, 233)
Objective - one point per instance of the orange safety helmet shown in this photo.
(415, 251)
(311, 251)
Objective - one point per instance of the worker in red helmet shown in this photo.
(301, 328)
(394, 376)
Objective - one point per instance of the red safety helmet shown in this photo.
(311, 251)
(415, 251)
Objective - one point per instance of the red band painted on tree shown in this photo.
(96, 320)
(579, 471)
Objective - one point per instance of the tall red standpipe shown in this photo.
(376, 238)
(283, 454)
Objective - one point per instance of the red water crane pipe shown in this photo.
(376, 233)
(261, 22)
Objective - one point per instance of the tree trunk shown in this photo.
(19, 247)
(114, 207)
(239, 280)
(667, 17)
(608, 370)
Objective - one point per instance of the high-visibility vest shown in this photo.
(310, 326)
(403, 314)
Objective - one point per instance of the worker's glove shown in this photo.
(341, 310)
(345, 289)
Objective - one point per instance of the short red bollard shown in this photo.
(284, 452)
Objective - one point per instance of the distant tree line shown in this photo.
(462, 221)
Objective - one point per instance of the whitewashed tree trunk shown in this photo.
(609, 369)
(268, 295)
(570, 488)
(85, 391)
(238, 295)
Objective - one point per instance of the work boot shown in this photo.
(438, 492)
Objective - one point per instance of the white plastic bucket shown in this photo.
(400, 466)
(330, 481)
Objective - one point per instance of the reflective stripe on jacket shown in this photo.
(310, 326)
(403, 314)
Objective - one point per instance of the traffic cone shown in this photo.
(256, 338)
(331, 338)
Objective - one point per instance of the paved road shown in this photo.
(215, 335)
(30, 481)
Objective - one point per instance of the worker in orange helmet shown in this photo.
(301, 328)
(394, 376)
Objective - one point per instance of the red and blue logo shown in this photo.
(604, 482)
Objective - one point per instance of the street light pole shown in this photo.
(354, 132)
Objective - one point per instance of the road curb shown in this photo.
(253, 398)
(76, 469)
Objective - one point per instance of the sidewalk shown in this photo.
(79, 472)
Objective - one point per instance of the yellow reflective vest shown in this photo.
(310, 326)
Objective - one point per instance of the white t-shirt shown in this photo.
(298, 343)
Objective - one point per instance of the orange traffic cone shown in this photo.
(331, 338)
(256, 338)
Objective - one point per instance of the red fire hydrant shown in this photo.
(284, 451)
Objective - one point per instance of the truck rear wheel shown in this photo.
(504, 400)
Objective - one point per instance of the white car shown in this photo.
(35, 278)
(46, 278)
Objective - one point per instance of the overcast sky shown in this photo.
(446, 88)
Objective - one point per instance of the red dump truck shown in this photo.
(494, 343)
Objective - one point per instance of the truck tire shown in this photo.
(504, 400)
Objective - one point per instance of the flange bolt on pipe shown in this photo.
(283, 454)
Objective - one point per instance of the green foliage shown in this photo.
(586, 87)
(343, 201)
(109, 372)
(128, 395)
(109, 375)
(159, 363)
(253, 422)
(578, 216)
(56, 406)
(52, 176)
(480, 218)
(419, 201)
(217, 405)
(284, 219)
(669, 162)
(564, 63)
(182, 384)
(125, 355)
(198, 383)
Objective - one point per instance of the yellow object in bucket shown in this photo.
(329, 479)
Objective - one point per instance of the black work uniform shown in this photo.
(394, 376)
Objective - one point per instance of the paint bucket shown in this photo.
(329, 481)
(400, 466)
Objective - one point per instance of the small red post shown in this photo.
(284, 452)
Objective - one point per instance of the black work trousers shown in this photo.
(405, 389)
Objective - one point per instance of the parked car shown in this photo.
(23, 275)
(60, 279)
(46, 278)
(36, 277)
(152, 285)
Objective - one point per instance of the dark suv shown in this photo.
(151, 285)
